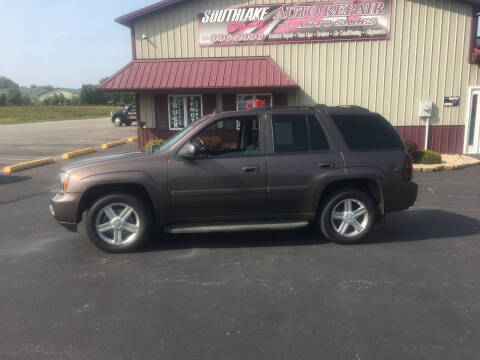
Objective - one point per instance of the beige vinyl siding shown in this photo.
(426, 58)
(147, 110)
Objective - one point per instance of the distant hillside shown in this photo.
(6, 83)
(40, 92)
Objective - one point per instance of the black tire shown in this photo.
(117, 121)
(326, 223)
(143, 212)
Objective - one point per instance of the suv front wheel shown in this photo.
(347, 217)
(118, 223)
(117, 121)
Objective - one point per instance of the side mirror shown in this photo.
(189, 151)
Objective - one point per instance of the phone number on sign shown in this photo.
(238, 37)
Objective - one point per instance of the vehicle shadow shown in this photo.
(10, 179)
(418, 225)
(406, 226)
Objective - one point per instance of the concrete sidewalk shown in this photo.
(23, 142)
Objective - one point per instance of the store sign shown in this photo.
(176, 112)
(451, 101)
(306, 22)
(194, 108)
(183, 110)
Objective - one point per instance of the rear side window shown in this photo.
(298, 133)
(367, 132)
(318, 140)
(290, 133)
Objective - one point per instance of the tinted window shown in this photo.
(367, 132)
(229, 137)
(318, 141)
(290, 133)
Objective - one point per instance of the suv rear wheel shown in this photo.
(118, 223)
(347, 217)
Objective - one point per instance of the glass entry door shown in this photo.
(473, 125)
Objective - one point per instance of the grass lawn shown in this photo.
(26, 114)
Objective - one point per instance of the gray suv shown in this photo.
(338, 168)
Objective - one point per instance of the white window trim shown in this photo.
(184, 108)
(254, 97)
(471, 89)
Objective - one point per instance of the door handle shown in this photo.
(327, 165)
(251, 169)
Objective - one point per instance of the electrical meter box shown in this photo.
(426, 108)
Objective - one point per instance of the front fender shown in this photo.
(156, 190)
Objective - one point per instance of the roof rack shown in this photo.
(346, 108)
(290, 107)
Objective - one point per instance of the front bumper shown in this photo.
(64, 208)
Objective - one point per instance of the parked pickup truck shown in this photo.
(124, 116)
(340, 169)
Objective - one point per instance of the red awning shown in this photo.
(199, 74)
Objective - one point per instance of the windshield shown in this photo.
(170, 142)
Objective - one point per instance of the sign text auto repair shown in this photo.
(315, 21)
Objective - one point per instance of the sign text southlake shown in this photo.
(315, 21)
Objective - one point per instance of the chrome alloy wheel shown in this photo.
(118, 122)
(350, 218)
(117, 224)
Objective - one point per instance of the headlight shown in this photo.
(62, 180)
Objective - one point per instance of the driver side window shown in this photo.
(234, 137)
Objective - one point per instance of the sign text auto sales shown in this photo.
(315, 21)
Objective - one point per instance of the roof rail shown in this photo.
(341, 108)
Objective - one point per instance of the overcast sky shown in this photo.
(64, 43)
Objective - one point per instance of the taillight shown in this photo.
(408, 168)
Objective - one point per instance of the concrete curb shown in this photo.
(28, 165)
(80, 152)
(443, 167)
(49, 160)
(113, 143)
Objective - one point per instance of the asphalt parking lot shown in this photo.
(411, 292)
(23, 142)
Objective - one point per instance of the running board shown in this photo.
(234, 227)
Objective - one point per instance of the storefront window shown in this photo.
(477, 32)
(183, 110)
(475, 56)
(250, 101)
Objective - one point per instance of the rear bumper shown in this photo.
(64, 208)
(400, 196)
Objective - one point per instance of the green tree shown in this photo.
(71, 101)
(61, 99)
(26, 100)
(14, 97)
(55, 99)
(89, 96)
(6, 83)
(3, 100)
